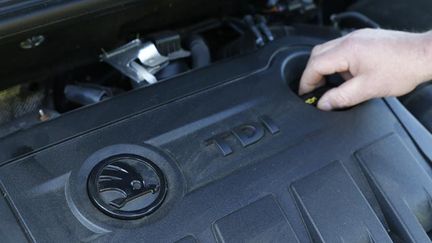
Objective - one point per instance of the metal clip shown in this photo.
(137, 60)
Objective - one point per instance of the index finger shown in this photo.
(329, 62)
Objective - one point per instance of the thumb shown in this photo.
(350, 93)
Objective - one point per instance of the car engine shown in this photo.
(179, 121)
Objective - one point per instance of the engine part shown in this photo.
(290, 6)
(354, 20)
(262, 25)
(141, 61)
(20, 100)
(125, 59)
(284, 170)
(419, 104)
(117, 181)
(27, 121)
(397, 14)
(259, 39)
(86, 95)
(199, 51)
(169, 44)
(174, 68)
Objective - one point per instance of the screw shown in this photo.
(43, 116)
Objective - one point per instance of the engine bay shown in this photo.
(179, 121)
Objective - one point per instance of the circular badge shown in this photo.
(127, 186)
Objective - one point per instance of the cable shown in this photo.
(356, 16)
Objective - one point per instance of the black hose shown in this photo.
(85, 95)
(199, 51)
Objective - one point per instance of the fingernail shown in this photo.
(325, 105)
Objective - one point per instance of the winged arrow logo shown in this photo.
(123, 178)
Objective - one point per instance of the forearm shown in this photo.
(426, 56)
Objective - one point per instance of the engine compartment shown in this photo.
(112, 55)
(221, 152)
(116, 45)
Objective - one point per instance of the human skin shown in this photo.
(374, 62)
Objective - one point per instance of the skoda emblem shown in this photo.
(127, 186)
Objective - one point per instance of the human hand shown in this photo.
(375, 63)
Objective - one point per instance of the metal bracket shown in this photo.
(137, 60)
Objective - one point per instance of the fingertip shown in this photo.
(301, 91)
(348, 94)
(304, 89)
(324, 104)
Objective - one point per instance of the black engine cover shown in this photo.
(243, 157)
